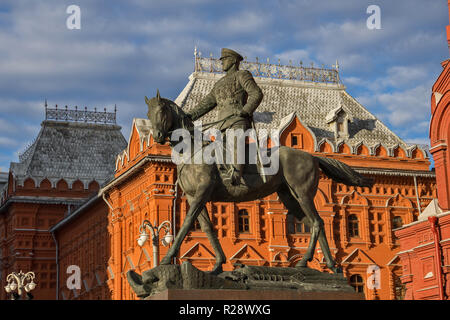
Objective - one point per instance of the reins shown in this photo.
(204, 127)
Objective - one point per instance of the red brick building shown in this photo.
(73, 154)
(312, 111)
(425, 244)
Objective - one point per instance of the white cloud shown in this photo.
(407, 107)
(419, 141)
(356, 81)
(295, 56)
(7, 142)
(126, 50)
(21, 109)
(7, 126)
(400, 75)
(243, 23)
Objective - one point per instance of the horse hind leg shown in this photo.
(294, 208)
(207, 227)
(302, 206)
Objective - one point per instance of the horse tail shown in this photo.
(340, 172)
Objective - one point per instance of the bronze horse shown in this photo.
(295, 182)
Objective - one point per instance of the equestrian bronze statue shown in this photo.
(295, 182)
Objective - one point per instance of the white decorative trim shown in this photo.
(391, 262)
(437, 97)
(360, 263)
(332, 144)
(197, 244)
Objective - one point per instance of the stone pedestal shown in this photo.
(185, 282)
(223, 294)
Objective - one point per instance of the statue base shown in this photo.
(185, 282)
(224, 294)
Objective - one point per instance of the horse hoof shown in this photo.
(301, 264)
(335, 269)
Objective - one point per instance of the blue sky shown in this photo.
(126, 49)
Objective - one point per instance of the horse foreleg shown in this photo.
(196, 206)
(207, 227)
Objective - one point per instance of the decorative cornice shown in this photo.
(41, 200)
(134, 169)
(80, 115)
(398, 173)
(272, 71)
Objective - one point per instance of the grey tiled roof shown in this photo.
(312, 103)
(71, 151)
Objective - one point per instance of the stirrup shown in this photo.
(230, 173)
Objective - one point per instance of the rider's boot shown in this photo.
(236, 174)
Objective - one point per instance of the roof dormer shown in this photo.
(338, 120)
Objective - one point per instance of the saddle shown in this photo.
(251, 167)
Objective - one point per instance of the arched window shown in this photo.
(353, 226)
(397, 222)
(294, 226)
(357, 282)
(243, 221)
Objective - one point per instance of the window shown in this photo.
(294, 226)
(397, 222)
(357, 282)
(243, 221)
(130, 234)
(294, 140)
(340, 127)
(353, 226)
(196, 226)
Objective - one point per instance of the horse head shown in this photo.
(161, 117)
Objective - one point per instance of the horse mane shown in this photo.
(178, 113)
(174, 106)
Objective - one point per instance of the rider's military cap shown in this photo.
(230, 53)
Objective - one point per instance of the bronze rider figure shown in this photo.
(236, 95)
